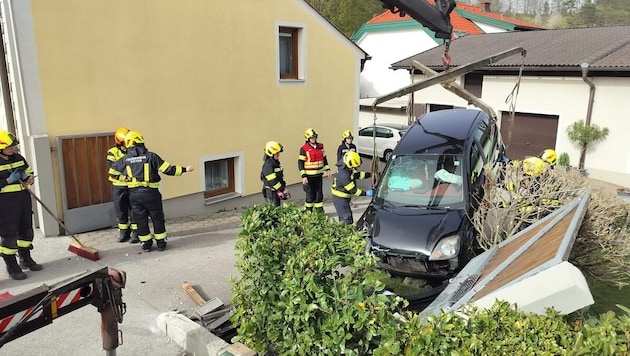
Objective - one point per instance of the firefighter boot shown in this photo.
(134, 237)
(161, 245)
(146, 246)
(26, 261)
(13, 268)
(124, 235)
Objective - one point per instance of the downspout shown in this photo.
(589, 110)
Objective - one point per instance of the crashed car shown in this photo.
(417, 221)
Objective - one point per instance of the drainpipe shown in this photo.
(589, 110)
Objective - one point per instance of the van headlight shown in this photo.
(446, 249)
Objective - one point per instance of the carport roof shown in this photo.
(603, 48)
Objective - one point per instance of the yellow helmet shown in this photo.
(7, 139)
(533, 166)
(347, 134)
(310, 133)
(549, 155)
(119, 136)
(273, 147)
(351, 159)
(133, 138)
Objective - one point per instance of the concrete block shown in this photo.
(177, 327)
(237, 349)
(201, 342)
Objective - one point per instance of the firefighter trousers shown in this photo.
(16, 222)
(122, 206)
(271, 196)
(147, 203)
(314, 199)
(344, 212)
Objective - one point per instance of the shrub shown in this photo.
(564, 159)
(306, 286)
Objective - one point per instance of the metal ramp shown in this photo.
(529, 269)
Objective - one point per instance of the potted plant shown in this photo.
(583, 134)
(564, 160)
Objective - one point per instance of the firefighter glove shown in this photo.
(369, 193)
(14, 177)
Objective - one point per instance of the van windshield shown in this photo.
(422, 180)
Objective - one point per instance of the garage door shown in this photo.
(530, 133)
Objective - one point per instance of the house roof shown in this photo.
(462, 19)
(476, 13)
(603, 48)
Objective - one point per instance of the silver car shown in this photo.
(386, 137)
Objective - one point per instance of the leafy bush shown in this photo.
(307, 287)
(564, 159)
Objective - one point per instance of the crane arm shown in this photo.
(435, 17)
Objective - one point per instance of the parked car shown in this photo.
(417, 221)
(387, 136)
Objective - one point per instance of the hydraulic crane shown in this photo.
(38, 307)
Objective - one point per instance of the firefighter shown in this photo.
(549, 155)
(16, 220)
(344, 185)
(346, 144)
(272, 176)
(312, 164)
(127, 228)
(142, 169)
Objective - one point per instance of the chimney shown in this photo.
(486, 6)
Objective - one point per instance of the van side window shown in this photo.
(476, 163)
(482, 135)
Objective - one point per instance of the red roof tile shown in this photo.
(459, 23)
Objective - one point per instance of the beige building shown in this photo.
(207, 83)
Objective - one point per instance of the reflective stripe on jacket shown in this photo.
(312, 160)
(344, 182)
(272, 174)
(114, 154)
(7, 166)
(143, 167)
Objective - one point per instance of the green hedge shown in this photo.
(307, 287)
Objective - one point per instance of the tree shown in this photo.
(347, 15)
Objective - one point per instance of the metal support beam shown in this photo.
(457, 89)
(448, 75)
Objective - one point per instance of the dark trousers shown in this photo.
(314, 199)
(145, 203)
(122, 206)
(342, 206)
(16, 222)
(271, 196)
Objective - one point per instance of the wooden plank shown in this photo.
(69, 164)
(192, 293)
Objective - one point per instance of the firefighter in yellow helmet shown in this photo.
(312, 163)
(272, 175)
(141, 168)
(344, 185)
(120, 192)
(16, 219)
(346, 144)
(549, 155)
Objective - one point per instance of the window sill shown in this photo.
(291, 81)
(220, 198)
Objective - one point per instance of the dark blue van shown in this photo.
(417, 221)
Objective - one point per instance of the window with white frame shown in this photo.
(290, 59)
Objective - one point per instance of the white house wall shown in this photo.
(386, 48)
(568, 99)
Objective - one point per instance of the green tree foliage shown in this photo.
(347, 15)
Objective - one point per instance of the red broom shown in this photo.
(76, 246)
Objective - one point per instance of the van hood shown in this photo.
(411, 230)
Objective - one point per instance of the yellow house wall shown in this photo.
(197, 78)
